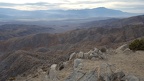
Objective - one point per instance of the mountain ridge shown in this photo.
(44, 49)
(63, 14)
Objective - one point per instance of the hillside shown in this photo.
(136, 20)
(8, 31)
(22, 55)
(124, 65)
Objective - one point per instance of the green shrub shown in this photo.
(137, 44)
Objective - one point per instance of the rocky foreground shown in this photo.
(121, 64)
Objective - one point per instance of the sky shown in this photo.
(133, 6)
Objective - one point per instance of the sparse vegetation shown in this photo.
(103, 49)
(137, 44)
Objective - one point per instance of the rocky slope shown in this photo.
(23, 55)
(121, 64)
(8, 31)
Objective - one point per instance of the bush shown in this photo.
(103, 49)
(137, 44)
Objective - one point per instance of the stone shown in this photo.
(89, 76)
(53, 73)
(80, 55)
(106, 70)
(94, 58)
(81, 76)
(72, 56)
(96, 50)
(131, 78)
(121, 48)
(75, 76)
(86, 55)
(127, 51)
(60, 66)
(117, 76)
(76, 63)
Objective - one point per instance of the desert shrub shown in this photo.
(137, 44)
(103, 49)
(12, 78)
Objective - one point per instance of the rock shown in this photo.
(131, 78)
(75, 76)
(99, 52)
(86, 55)
(117, 76)
(94, 58)
(121, 48)
(111, 51)
(80, 76)
(65, 63)
(106, 71)
(80, 55)
(60, 66)
(53, 73)
(127, 51)
(90, 52)
(90, 76)
(96, 50)
(103, 56)
(72, 56)
(76, 63)
(44, 76)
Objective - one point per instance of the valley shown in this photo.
(24, 47)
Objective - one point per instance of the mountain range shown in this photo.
(12, 14)
(23, 54)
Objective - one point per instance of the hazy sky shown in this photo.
(135, 6)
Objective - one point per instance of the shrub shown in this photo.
(103, 49)
(137, 44)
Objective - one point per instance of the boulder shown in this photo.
(75, 76)
(96, 50)
(131, 78)
(53, 73)
(127, 51)
(72, 56)
(76, 63)
(80, 55)
(122, 48)
(117, 76)
(81, 76)
(86, 55)
(60, 66)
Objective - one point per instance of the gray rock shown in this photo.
(90, 76)
(96, 50)
(75, 76)
(131, 78)
(72, 56)
(76, 63)
(53, 73)
(80, 76)
(80, 55)
(86, 55)
(122, 48)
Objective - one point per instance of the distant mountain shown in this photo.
(61, 14)
(115, 22)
